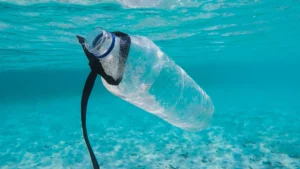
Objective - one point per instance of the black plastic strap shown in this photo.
(88, 87)
(96, 68)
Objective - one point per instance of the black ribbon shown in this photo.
(97, 69)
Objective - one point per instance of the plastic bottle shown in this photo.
(153, 82)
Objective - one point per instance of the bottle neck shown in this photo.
(101, 44)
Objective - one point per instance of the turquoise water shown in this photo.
(244, 54)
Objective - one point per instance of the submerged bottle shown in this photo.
(151, 80)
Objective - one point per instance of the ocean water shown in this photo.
(244, 54)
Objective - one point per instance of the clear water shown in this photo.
(244, 54)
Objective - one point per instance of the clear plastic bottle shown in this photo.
(154, 82)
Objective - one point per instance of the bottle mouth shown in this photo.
(100, 42)
(97, 40)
